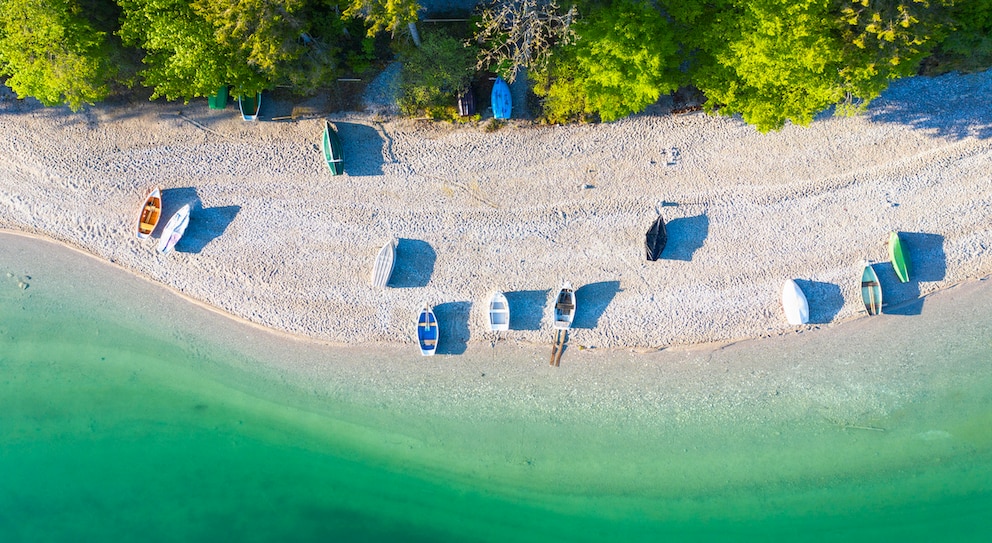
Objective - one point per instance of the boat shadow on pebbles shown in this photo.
(206, 224)
(926, 262)
(826, 300)
(527, 308)
(592, 301)
(685, 236)
(452, 321)
(414, 264)
(363, 147)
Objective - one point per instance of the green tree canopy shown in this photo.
(380, 15)
(52, 52)
(627, 56)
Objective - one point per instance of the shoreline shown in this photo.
(309, 341)
(276, 241)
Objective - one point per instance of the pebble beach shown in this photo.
(275, 240)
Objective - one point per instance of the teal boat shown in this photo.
(250, 105)
(871, 291)
(218, 100)
(332, 150)
(898, 256)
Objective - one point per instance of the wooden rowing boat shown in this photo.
(795, 304)
(897, 255)
(564, 307)
(499, 313)
(502, 102)
(174, 230)
(250, 105)
(333, 154)
(427, 331)
(150, 212)
(382, 269)
(871, 291)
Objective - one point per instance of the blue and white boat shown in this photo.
(427, 331)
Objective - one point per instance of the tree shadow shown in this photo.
(825, 300)
(452, 319)
(925, 254)
(210, 223)
(944, 106)
(900, 298)
(685, 236)
(363, 148)
(591, 301)
(414, 264)
(526, 308)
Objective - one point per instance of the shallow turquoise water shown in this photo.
(127, 414)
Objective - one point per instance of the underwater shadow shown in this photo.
(209, 224)
(591, 301)
(825, 300)
(414, 264)
(925, 254)
(685, 236)
(526, 308)
(363, 148)
(944, 106)
(452, 319)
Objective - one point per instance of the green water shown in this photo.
(129, 414)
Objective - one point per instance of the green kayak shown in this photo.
(898, 256)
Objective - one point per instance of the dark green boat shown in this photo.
(898, 256)
(218, 100)
(249, 106)
(332, 150)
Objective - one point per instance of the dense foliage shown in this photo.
(770, 61)
(52, 51)
(434, 74)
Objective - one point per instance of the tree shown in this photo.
(434, 73)
(381, 15)
(521, 34)
(774, 61)
(628, 57)
(52, 52)
(885, 40)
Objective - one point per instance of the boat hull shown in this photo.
(382, 269)
(250, 106)
(502, 103)
(499, 313)
(795, 304)
(897, 254)
(655, 240)
(564, 307)
(150, 213)
(871, 291)
(174, 230)
(331, 145)
(427, 331)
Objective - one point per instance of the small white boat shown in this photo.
(795, 304)
(427, 331)
(499, 313)
(382, 269)
(174, 230)
(564, 307)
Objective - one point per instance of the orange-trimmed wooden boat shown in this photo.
(151, 211)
